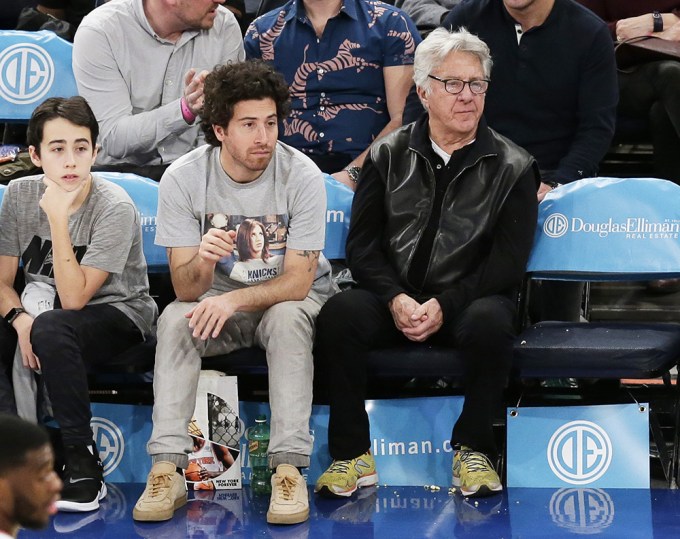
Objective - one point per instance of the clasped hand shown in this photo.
(416, 321)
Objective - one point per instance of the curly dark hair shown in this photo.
(227, 85)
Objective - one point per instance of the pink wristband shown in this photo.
(189, 117)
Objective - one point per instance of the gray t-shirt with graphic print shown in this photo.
(284, 208)
(105, 232)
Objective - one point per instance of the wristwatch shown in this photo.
(658, 21)
(11, 316)
(353, 173)
(552, 184)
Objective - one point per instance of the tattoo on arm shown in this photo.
(311, 256)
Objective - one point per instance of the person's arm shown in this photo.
(505, 265)
(192, 269)
(10, 299)
(427, 14)
(643, 25)
(299, 269)
(598, 96)
(75, 284)
(398, 82)
(366, 257)
(100, 81)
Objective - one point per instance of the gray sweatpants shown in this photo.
(285, 331)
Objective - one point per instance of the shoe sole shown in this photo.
(481, 492)
(78, 507)
(287, 518)
(159, 516)
(364, 481)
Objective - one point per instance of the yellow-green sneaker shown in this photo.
(343, 477)
(473, 473)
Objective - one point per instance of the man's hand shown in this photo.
(23, 325)
(56, 201)
(208, 317)
(215, 244)
(427, 319)
(634, 27)
(193, 90)
(543, 190)
(672, 33)
(402, 308)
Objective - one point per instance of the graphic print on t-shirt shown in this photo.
(259, 246)
(37, 257)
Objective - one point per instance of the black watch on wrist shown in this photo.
(11, 316)
(658, 21)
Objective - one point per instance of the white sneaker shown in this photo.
(165, 491)
(289, 503)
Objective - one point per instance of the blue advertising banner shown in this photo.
(580, 511)
(410, 439)
(121, 432)
(339, 208)
(601, 218)
(33, 67)
(604, 446)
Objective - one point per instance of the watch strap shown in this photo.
(658, 21)
(11, 316)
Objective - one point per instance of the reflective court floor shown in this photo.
(390, 512)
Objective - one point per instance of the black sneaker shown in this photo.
(83, 479)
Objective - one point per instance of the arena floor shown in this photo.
(391, 512)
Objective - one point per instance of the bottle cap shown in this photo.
(261, 418)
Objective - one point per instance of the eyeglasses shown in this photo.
(455, 86)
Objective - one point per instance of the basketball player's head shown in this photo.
(29, 486)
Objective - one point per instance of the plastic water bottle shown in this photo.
(258, 444)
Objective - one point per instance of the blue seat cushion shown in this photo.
(597, 350)
(401, 361)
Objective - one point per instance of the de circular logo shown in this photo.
(555, 225)
(584, 511)
(579, 452)
(110, 441)
(26, 73)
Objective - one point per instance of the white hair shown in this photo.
(439, 44)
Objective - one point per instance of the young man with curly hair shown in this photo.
(243, 174)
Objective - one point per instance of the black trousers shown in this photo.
(651, 91)
(68, 341)
(8, 343)
(356, 321)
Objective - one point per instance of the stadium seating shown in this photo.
(606, 229)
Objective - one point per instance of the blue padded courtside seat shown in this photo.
(604, 229)
(144, 193)
(410, 360)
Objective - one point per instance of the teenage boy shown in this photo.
(80, 243)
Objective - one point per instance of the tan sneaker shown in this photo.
(289, 503)
(165, 491)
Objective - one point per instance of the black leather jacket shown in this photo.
(486, 227)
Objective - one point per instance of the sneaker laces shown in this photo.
(159, 481)
(475, 461)
(339, 466)
(286, 484)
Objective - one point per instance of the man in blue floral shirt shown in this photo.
(349, 64)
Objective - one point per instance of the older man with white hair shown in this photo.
(442, 226)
